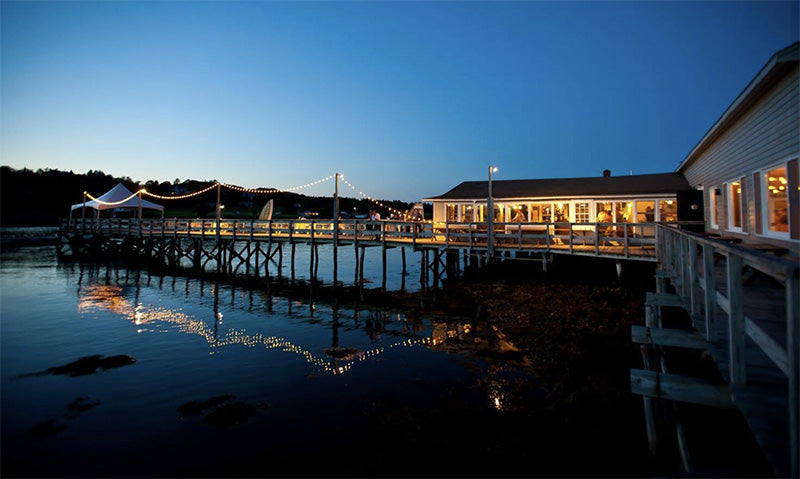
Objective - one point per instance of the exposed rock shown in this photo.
(81, 404)
(46, 429)
(227, 415)
(196, 408)
(90, 365)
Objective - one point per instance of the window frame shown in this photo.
(713, 210)
(763, 175)
(728, 206)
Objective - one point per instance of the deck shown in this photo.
(744, 305)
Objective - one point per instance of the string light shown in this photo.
(180, 197)
(393, 210)
(113, 203)
(277, 190)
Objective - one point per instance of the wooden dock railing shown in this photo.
(758, 293)
(618, 240)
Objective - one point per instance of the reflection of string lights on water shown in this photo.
(189, 324)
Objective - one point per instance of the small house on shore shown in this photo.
(746, 165)
(625, 199)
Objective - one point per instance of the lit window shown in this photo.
(561, 212)
(451, 213)
(777, 201)
(735, 205)
(467, 214)
(712, 206)
(668, 210)
(624, 212)
(645, 211)
(541, 213)
(581, 212)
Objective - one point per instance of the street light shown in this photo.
(490, 217)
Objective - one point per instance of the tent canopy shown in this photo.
(115, 194)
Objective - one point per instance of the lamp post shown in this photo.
(490, 218)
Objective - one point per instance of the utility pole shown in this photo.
(336, 231)
(490, 219)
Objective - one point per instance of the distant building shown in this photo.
(746, 164)
(626, 199)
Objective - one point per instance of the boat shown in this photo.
(266, 211)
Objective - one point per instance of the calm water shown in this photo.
(288, 406)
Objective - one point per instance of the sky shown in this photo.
(406, 99)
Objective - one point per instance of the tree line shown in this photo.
(41, 197)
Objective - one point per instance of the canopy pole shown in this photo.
(140, 205)
(219, 213)
(83, 213)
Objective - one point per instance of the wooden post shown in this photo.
(423, 267)
(710, 286)
(280, 260)
(355, 252)
(219, 210)
(619, 273)
(311, 247)
(292, 260)
(625, 239)
(691, 258)
(736, 334)
(361, 266)
(596, 240)
(383, 263)
(793, 353)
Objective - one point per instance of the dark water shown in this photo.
(397, 394)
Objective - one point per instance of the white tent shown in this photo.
(114, 196)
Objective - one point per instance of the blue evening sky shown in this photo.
(407, 99)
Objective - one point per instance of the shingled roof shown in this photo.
(654, 184)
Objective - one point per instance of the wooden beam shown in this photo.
(679, 388)
(667, 337)
(663, 299)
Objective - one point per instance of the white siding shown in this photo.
(765, 135)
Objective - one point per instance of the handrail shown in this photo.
(625, 239)
(682, 253)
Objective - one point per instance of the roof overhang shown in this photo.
(776, 68)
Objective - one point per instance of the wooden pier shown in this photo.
(248, 246)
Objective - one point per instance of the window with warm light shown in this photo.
(561, 212)
(624, 210)
(668, 210)
(645, 211)
(452, 214)
(519, 213)
(467, 214)
(499, 213)
(735, 205)
(541, 212)
(776, 204)
(605, 212)
(712, 207)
